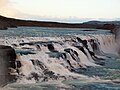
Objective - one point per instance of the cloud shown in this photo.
(6, 8)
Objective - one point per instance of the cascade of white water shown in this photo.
(84, 60)
(117, 38)
(107, 43)
(58, 56)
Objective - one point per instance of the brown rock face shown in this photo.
(7, 60)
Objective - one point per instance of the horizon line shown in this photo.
(63, 20)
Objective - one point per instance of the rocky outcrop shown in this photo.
(7, 64)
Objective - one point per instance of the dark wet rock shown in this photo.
(73, 57)
(82, 49)
(91, 40)
(18, 64)
(55, 77)
(102, 59)
(8, 53)
(75, 53)
(24, 48)
(64, 56)
(70, 64)
(18, 71)
(45, 79)
(22, 44)
(39, 64)
(35, 76)
(92, 53)
(79, 40)
(68, 50)
(63, 77)
(84, 42)
(7, 60)
(12, 64)
(15, 45)
(38, 47)
(45, 45)
(51, 48)
(73, 40)
(49, 73)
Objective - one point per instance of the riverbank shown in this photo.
(6, 23)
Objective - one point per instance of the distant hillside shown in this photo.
(103, 22)
(5, 23)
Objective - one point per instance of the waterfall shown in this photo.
(42, 59)
(117, 37)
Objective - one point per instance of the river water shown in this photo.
(60, 59)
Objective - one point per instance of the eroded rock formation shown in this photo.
(7, 64)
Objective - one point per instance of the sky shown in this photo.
(61, 10)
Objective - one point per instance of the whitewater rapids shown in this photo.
(42, 59)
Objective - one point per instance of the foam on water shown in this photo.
(57, 65)
(59, 58)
